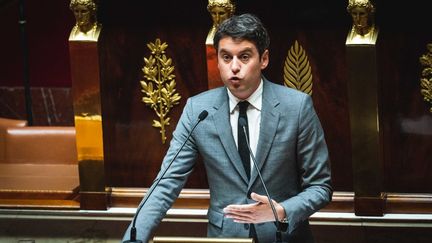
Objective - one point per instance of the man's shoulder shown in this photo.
(207, 99)
(283, 91)
(210, 95)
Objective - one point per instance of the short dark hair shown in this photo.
(244, 27)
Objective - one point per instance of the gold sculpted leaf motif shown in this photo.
(297, 70)
(426, 75)
(159, 90)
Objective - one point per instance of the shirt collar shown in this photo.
(255, 99)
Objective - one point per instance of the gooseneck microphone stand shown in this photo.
(132, 238)
(278, 238)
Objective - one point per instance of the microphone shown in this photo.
(132, 238)
(242, 123)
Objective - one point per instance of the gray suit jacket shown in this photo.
(291, 153)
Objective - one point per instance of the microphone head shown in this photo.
(242, 122)
(203, 115)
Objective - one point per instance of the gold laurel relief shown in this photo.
(426, 76)
(159, 90)
(297, 70)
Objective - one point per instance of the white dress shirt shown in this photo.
(253, 114)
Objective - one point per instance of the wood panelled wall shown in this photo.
(133, 149)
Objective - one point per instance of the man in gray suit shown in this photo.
(284, 133)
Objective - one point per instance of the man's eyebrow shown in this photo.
(223, 50)
(245, 50)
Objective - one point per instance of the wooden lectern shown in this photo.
(176, 239)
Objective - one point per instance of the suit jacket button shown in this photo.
(246, 226)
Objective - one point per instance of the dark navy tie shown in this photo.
(242, 144)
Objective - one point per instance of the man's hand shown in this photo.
(258, 212)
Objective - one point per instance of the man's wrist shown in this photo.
(282, 223)
(281, 214)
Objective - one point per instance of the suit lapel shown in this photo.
(269, 124)
(223, 127)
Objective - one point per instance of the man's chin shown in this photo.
(241, 94)
(236, 86)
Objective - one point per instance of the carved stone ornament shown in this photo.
(297, 70)
(426, 75)
(159, 90)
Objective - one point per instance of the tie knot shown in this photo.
(243, 105)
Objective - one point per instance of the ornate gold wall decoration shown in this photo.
(162, 96)
(297, 70)
(426, 75)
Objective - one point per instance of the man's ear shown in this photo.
(264, 59)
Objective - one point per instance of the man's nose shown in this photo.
(235, 65)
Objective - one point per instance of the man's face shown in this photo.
(218, 14)
(240, 66)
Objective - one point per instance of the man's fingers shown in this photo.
(259, 198)
(239, 208)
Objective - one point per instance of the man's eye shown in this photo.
(226, 57)
(244, 57)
